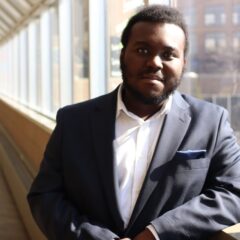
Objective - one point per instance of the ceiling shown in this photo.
(15, 14)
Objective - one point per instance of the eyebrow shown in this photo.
(141, 43)
(170, 48)
(164, 48)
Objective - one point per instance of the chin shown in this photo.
(152, 98)
(155, 100)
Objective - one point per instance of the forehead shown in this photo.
(157, 33)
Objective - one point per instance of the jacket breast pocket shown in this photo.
(183, 167)
(191, 159)
(191, 164)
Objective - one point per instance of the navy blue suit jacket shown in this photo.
(191, 190)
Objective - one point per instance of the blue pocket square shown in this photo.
(191, 154)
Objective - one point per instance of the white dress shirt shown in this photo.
(134, 146)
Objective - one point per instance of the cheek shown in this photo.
(133, 66)
(174, 71)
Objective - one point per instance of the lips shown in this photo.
(153, 77)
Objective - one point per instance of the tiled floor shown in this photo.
(11, 227)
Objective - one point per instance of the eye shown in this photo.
(143, 51)
(167, 55)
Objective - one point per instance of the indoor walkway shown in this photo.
(11, 226)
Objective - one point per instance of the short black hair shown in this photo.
(158, 14)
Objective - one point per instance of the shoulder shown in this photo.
(199, 106)
(203, 114)
(84, 110)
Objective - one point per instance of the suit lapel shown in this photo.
(174, 129)
(103, 126)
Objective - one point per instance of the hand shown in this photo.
(146, 234)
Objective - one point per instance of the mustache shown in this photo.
(152, 74)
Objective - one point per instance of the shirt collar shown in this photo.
(122, 108)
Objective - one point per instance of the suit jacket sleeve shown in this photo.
(54, 213)
(218, 205)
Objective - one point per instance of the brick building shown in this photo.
(214, 45)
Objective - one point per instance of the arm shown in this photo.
(54, 213)
(218, 204)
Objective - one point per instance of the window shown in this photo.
(46, 62)
(213, 71)
(34, 63)
(55, 60)
(190, 16)
(119, 12)
(65, 11)
(166, 2)
(16, 67)
(49, 67)
(210, 18)
(236, 41)
(130, 5)
(23, 67)
(214, 15)
(215, 42)
(6, 69)
(81, 51)
(236, 14)
(210, 43)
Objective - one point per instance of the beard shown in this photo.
(148, 100)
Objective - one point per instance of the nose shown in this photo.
(155, 62)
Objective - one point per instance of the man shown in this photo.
(143, 162)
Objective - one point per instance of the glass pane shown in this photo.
(81, 51)
(65, 9)
(33, 61)
(213, 72)
(15, 57)
(23, 67)
(55, 60)
(119, 13)
(39, 59)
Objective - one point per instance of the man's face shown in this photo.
(152, 63)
